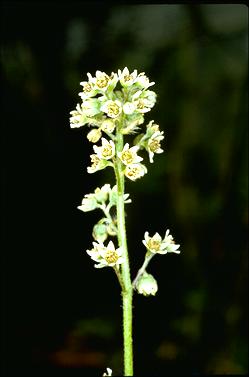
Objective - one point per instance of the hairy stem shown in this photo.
(125, 268)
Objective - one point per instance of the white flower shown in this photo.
(108, 372)
(89, 203)
(88, 89)
(106, 151)
(171, 247)
(150, 96)
(91, 79)
(99, 84)
(102, 81)
(129, 155)
(105, 256)
(152, 127)
(154, 244)
(97, 164)
(157, 245)
(129, 108)
(147, 284)
(142, 81)
(91, 107)
(94, 252)
(78, 117)
(144, 100)
(108, 125)
(94, 135)
(126, 78)
(101, 194)
(135, 171)
(112, 108)
(154, 145)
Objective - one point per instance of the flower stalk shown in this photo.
(141, 270)
(127, 286)
(115, 105)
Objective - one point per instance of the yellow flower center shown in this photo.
(95, 160)
(102, 82)
(107, 151)
(127, 77)
(154, 244)
(140, 104)
(154, 145)
(127, 157)
(133, 172)
(111, 256)
(87, 87)
(113, 109)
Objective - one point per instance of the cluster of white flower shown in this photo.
(103, 198)
(108, 99)
(100, 100)
(116, 104)
(151, 140)
(99, 198)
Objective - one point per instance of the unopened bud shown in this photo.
(94, 135)
(100, 232)
(147, 285)
(108, 125)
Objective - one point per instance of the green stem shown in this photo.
(125, 268)
(117, 272)
(147, 259)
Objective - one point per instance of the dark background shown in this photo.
(62, 317)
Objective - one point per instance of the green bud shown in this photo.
(100, 232)
(147, 285)
(111, 230)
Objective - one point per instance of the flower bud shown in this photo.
(147, 285)
(108, 125)
(94, 135)
(100, 232)
(111, 230)
(129, 108)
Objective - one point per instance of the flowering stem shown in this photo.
(143, 268)
(125, 269)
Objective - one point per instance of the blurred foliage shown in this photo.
(197, 55)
